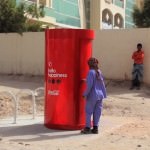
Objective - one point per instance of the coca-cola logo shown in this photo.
(53, 92)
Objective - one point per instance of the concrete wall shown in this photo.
(114, 49)
(22, 54)
(25, 54)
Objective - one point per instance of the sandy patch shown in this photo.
(125, 123)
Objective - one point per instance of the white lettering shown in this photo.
(50, 64)
(58, 75)
(53, 92)
(51, 70)
(52, 73)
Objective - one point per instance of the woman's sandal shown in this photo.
(95, 130)
(86, 130)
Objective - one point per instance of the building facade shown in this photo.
(94, 14)
(128, 13)
(112, 14)
(62, 13)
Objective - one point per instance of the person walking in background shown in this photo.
(137, 72)
(94, 94)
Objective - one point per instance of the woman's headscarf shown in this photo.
(93, 64)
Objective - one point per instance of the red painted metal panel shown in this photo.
(66, 55)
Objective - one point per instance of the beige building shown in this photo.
(105, 14)
(112, 14)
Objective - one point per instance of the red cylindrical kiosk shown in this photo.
(67, 52)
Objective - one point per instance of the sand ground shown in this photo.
(125, 122)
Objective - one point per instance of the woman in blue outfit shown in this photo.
(94, 94)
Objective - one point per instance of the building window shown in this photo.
(109, 1)
(47, 3)
(32, 1)
(42, 2)
(118, 21)
(50, 3)
(107, 19)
